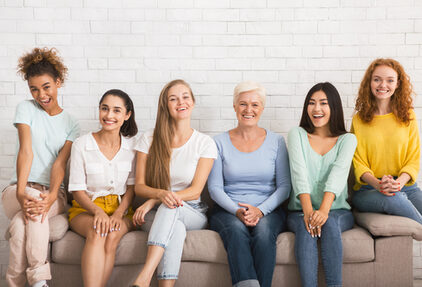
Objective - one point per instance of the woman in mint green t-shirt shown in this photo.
(320, 153)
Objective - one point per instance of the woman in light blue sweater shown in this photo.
(249, 180)
(320, 153)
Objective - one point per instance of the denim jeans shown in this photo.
(169, 231)
(306, 249)
(407, 202)
(250, 250)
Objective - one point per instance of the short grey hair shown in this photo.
(248, 86)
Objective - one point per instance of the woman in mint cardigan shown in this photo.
(320, 153)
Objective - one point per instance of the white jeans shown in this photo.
(169, 231)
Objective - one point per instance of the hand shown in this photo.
(252, 213)
(101, 222)
(169, 198)
(240, 213)
(317, 220)
(116, 221)
(26, 201)
(141, 211)
(388, 186)
(43, 206)
(307, 221)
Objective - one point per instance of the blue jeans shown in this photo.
(251, 251)
(169, 231)
(407, 202)
(306, 249)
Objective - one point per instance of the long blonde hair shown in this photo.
(157, 174)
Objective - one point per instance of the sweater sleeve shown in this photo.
(337, 179)
(216, 185)
(411, 164)
(282, 178)
(298, 170)
(360, 158)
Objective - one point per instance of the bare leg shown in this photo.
(166, 283)
(93, 254)
(154, 255)
(112, 241)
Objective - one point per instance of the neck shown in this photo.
(182, 127)
(54, 111)
(322, 132)
(109, 138)
(247, 132)
(383, 107)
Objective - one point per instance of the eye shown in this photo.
(255, 105)
(311, 103)
(324, 103)
(172, 99)
(46, 87)
(116, 111)
(391, 81)
(186, 97)
(376, 80)
(104, 108)
(242, 104)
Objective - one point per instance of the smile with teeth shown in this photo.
(248, 117)
(382, 91)
(109, 122)
(46, 101)
(318, 116)
(181, 109)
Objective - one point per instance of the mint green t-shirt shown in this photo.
(48, 135)
(315, 174)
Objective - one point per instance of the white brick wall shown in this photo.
(140, 45)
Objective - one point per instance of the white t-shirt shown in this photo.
(48, 135)
(184, 160)
(91, 171)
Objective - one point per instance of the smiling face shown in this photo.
(180, 102)
(248, 108)
(384, 82)
(43, 89)
(113, 113)
(319, 110)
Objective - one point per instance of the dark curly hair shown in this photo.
(42, 61)
(401, 100)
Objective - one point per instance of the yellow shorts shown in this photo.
(107, 203)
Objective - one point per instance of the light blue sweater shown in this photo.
(260, 178)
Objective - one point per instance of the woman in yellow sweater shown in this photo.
(386, 160)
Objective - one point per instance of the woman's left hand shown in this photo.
(41, 207)
(252, 214)
(317, 220)
(116, 221)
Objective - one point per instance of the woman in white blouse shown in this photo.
(173, 163)
(101, 180)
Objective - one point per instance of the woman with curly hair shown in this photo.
(46, 133)
(386, 161)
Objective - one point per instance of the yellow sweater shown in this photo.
(386, 147)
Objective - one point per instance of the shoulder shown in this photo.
(348, 138)
(275, 139)
(28, 105)
(202, 138)
(130, 142)
(296, 132)
(82, 141)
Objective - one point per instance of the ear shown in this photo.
(128, 114)
(58, 83)
(398, 84)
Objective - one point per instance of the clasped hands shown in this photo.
(32, 207)
(249, 214)
(314, 221)
(389, 186)
(104, 224)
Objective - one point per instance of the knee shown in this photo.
(179, 230)
(93, 237)
(265, 233)
(112, 241)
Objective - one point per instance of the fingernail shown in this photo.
(119, 228)
(106, 234)
(96, 231)
(95, 227)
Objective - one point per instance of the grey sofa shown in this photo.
(377, 252)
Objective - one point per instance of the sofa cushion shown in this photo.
(58, 226)
(207, 246)
(388, 225)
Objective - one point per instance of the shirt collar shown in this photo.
(91, 144)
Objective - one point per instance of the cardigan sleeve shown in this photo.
(411, 164)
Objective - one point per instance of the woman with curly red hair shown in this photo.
(386, 160)
(45, 136)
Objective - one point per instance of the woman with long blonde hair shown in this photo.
(173, 163)
(386, 161)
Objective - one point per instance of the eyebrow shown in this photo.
(116, 107)
(46, 83)
(392, 77)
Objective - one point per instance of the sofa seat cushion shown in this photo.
(389, 225)
(206, 246)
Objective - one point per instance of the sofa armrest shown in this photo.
(388, 225)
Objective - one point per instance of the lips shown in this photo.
(109, 122)
(181, 109)
(317, 116)
(248, 116)
(45, 101)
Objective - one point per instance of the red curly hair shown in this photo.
(401, 100)
(42, 61)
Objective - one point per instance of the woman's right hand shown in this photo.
(170, 199)
(141, 211)
(388, 186)
(27, 204)
(307, 215)
(101, 222)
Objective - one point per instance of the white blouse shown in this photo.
(91, 171)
